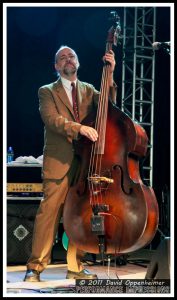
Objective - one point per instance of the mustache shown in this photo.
(69, 63)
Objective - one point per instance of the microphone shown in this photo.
(159, 45)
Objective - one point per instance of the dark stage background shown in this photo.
(33, 36)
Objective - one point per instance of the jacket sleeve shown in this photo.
(52, 118)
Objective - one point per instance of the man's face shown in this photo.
(67, 62)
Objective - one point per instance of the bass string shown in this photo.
(97, 150)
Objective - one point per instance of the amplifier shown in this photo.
(17, 187)
(24, 180)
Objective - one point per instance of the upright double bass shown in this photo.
(109, 209)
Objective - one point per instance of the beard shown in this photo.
(69, 69)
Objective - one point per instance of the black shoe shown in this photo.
(32, 276)
(84, 274)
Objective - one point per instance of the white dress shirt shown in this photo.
(68, 88)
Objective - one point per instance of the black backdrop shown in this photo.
(33, 36)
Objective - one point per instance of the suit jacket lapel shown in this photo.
(80, 93)
(63, 96)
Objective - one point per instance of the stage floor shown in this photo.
(116, 277)
(53, 278)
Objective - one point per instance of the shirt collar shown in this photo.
(67, 83)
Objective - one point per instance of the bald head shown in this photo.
(57, 55)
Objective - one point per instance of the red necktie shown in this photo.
(75, 108)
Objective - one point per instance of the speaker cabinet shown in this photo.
(159, 267)
(20, 222)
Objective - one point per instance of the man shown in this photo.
(62, 120)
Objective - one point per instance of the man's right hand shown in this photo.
(89, 132)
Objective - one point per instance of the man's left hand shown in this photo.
(109, 57)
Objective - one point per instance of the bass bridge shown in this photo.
(100, 179)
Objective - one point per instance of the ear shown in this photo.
(56, 68)
(78, 65)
